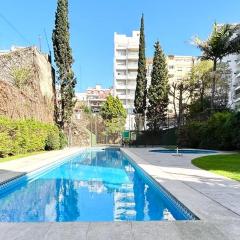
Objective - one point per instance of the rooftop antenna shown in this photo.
(40, 42)
(49, 49)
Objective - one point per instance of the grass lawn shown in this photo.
(226, 165)
(19, 156)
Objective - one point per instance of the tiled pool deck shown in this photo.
(214, 199)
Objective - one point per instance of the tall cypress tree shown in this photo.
(64, 61)
(158, 91)
(141, 81)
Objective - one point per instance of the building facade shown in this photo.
(94, 97)
(125, 71)
(233, 62)
(234, 84)
(179, 68)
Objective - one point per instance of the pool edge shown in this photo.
(167, 194)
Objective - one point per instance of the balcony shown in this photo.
(132, 66)
(120, 86)
(236, 83)
(237, 98)
(130, 96)
(131, 86)
(132, 77)
(238, 60)
(120, 57)
(122, 96)
(237, 87)
(121, 77)
(121, 67)
(237, 74)
(133, 56)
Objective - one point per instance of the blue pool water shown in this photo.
(95, 185)
(184, 151)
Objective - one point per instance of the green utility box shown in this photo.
(126, 135)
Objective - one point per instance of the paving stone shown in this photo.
(110, 231)
(67, 231)
(24, 231)
(154, 231)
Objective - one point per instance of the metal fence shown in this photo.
(89, 129)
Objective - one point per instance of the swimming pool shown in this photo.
(94, 185)
(184, 151)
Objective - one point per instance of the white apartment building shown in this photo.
(93, 98)
(125, 71)
(126, 66)
(234, 84)
(179, 68)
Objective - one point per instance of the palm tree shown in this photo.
(223, 41)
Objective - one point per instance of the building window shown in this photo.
(121, 63)
(121, 52)
(121, 73)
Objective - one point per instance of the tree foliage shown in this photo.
(220, 131)
(220, 44)
(158, 91)
(200, 79)
(114, 116)
(64, 61)
(141, 81)
(113, 108)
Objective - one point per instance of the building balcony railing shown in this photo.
(132, 66)
(237, 74)
(125, 77)
(133, 56)
(131, 87)
(127, 87)
(120, 86)
(236, 83)
(121, 77)
(120, 57)
(132, 77)
(121, 67)
(237, 98)
(238, 60)
(122, 96)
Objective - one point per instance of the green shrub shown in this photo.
(22, 136)
(63, 140)
(53, 139)
(221, 131)
(190, 135)
(21, 76)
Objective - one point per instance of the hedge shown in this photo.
(161, 137)
(220, 131)
(22, 136)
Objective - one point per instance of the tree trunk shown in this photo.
(180, 105)
(202, 91)
(174, 103)
(213, 84)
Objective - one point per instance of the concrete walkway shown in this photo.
(214, 199)
(18, 167)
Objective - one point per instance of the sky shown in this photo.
(93, 23)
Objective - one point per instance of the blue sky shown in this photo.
(93, 23)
